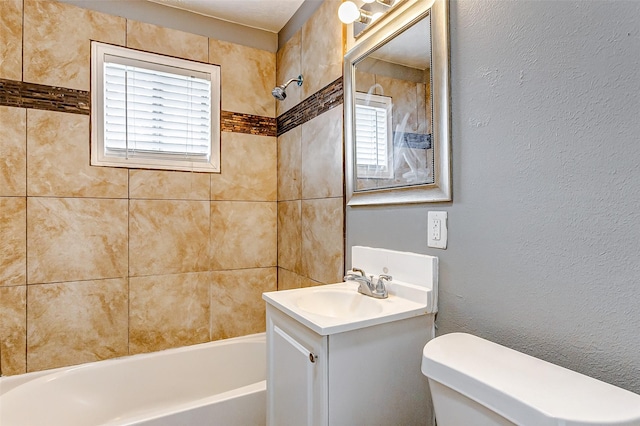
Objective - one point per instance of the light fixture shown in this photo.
(348, 12)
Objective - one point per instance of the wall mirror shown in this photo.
(397, 109)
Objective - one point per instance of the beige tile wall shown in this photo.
(310, 159)
(13, 328)
(248, 75)
(73, 322)
(13, 152)
(55, 45)
(102, 262)
(321, 48)
(11, 36)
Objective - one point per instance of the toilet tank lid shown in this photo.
(524, 389)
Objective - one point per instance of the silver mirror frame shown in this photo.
(440, 190)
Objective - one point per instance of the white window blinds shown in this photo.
(373, 136)
(154, 111)
(148, 111)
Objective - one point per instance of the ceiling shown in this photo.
(268, 15)
(411, 48)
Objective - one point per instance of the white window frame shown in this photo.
(101, 52)
(384, 169)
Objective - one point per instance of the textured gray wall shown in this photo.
(544, 229)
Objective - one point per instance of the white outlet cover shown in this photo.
(437, 227)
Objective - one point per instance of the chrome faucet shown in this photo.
(367, 287)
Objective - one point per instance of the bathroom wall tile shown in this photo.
(322, 48)
(13, 330)
(369, 183)
(290, 165)
(322, 156)
(248, 76)
(167, 41)
(57, 50)
(290, 235)
(404, 94)
(288, 66)
(168, 185)
(11, 36)
(365, 81)
(249, 169)
(308, 282)
(58, 159)
(424, 102)
(288, 280)
(421, 107)
(75, 322)
(243, 234)
(167, 311)
(237, 308)
(323, 240)
(168, 236)
(70, 239)
(13, 154)
(13, 241)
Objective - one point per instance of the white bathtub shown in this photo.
(217, 383)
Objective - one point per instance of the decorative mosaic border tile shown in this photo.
(246, 123)
(316, 104)
(39, 96)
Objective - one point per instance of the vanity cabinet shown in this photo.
(367, 376)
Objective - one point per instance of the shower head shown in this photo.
(279, 92)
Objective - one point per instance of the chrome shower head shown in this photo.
(279, 92)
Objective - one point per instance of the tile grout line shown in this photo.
(26, 229)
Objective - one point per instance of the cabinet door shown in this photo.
(296, 377)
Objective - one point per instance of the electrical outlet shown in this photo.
(437, 229)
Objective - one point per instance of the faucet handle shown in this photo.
(352, 276)
(380, 287)
(361, 271)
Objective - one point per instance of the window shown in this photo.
(374, 152)
(153, 111)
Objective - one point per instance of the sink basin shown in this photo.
(336, 308)
(336, 303)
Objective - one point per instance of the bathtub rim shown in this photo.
(187, 406)
(8, 383)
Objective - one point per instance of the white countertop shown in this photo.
(404, 301)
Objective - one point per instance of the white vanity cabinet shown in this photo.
(366, 376)
(297, 372)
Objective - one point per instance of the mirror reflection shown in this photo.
(393, 112)
(397, 109)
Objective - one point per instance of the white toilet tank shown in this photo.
(477, 382)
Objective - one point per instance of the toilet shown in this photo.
(477, 382)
